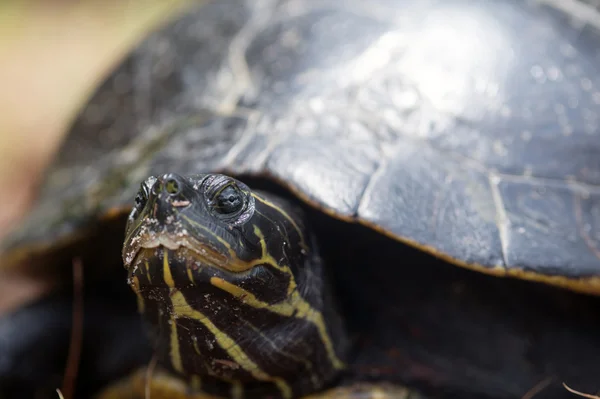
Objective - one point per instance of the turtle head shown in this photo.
(232, 287)
(204, 215)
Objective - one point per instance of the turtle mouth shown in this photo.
(201, 251)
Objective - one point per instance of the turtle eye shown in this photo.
(229, 200)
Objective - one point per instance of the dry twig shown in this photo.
(71, 369)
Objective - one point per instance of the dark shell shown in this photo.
(469, 129)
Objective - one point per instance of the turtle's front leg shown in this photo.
(156, 384)
(160, 384)
(368, 391)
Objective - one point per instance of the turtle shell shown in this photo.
(467, 129)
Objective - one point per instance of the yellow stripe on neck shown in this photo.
(182, 308)
(175, 350)
(293, 306)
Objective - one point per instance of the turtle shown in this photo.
(291, 186)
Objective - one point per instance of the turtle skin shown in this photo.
(468, 130)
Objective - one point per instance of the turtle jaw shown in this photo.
(199, 249)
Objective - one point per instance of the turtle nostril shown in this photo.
(172, 186)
